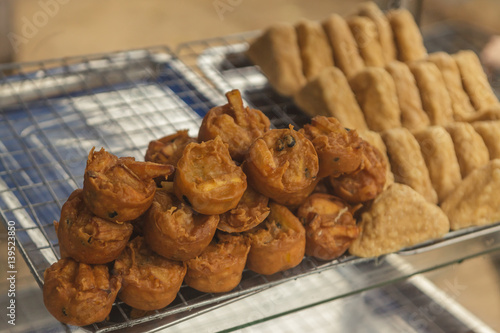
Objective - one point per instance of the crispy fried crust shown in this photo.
(173, 230)
(220, 266)
(375, 139)
(329, 94)
(277, 54)
(150, 282)
(475, 200)
(407, 36)
(474, 80)
(315, 51)
(407, 162)
(79, 294)
(413, 116)
(376, 94)
(87, 238)
(329, 224)
(435, 98)
(339, 150)
(283, 165)
(365, 33)
(398, 218)
(439, 155)
(238, 126)
(489, 131)
(168, 150)
(470, 148)
(343, 44)
(278, 244)
(208, 179)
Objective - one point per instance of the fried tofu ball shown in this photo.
(208, 179)
(330, 226)
(79, 294)
(150, 282)
(283, 165)
(278, 243)
(365, 183)
(250, 212)
(238, 126)
(220, 266)
(120, 189)
(86, 237)
(173, 230)
(339, 149)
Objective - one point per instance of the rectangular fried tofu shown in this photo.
(438, 151)
(413, 116)
(407, 163)
(474, 80)
(385, 35)
(470, 148)
(409, 41)
(435, 98)
(345, 50)
(277, 54)
(315, 50)
(460, 102)
(366, 35)
(375, 92)
(329, 94)
(490, 132)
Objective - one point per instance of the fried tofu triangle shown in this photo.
(238, 126)
(475, 200)
(330, 226)
(79, 294)
(283, 165)
(409, 41)
(278, 244)
(120, 189)
(399, 217)
(208, 179)
(339, 149)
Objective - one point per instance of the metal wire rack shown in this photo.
(53, 112)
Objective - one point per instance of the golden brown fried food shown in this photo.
(120, 189)
(150, 282)
(375, 92)
(385, 35)
(470, 148)
(219, 267)
(489, 131)
(407, 36)
(413, 116)
(283, 165)
(329, 94)
(278, 244)
(407, 162)
(237, 126)
(173, 230)
(250, 211)
(88, 238)
(398, 218)
(435, 98)
(330, 226)
(339, 149)
(474, 80)
(168, 150)
(439, 155)
(277, 54)
(79, 294)
(208, 179)
(315, 51)
(375, 139)
(365, 183)
(345, 50)
(365, 33)
(475, 200)
(460, 102)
